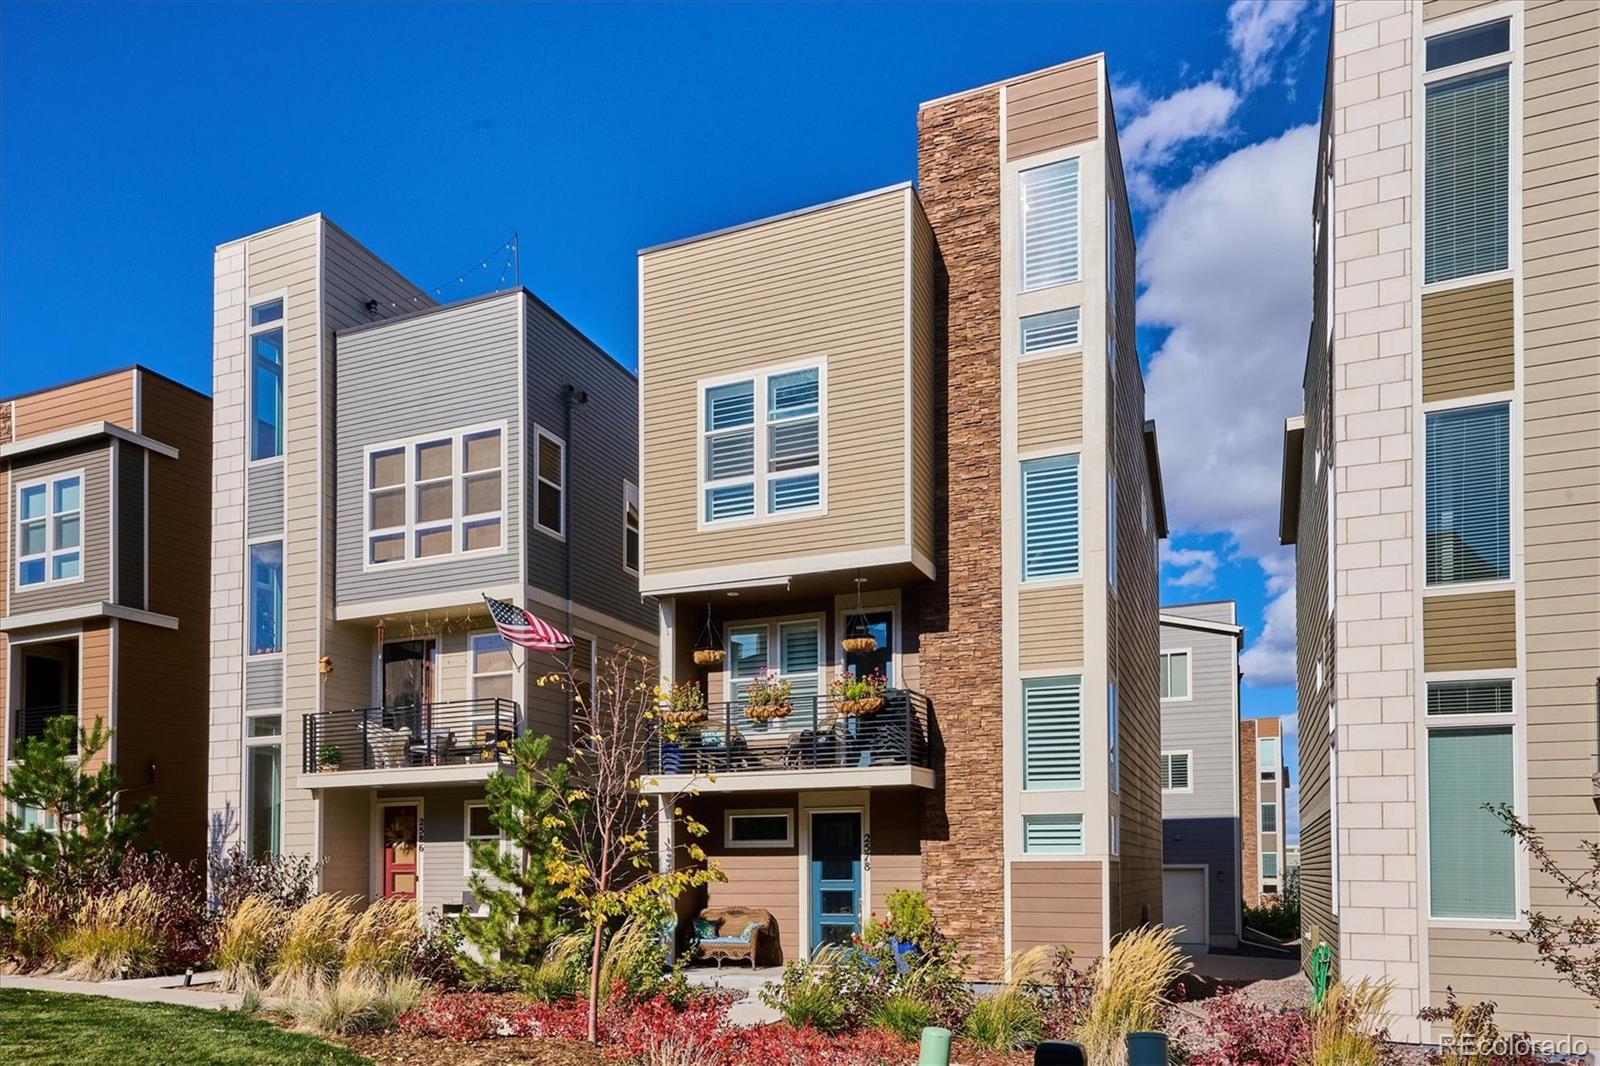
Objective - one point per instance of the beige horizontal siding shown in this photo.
(1049, 402)
(1049, 626)
(108, 398)
(1433, 9)
(1053, 109)
(1482, 967)
(1468, 343)
(828, 285)
(925, 253)
(1058, 904)
(1475, 631)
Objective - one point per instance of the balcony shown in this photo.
(33, 721)
(814, 747)
(462, 740)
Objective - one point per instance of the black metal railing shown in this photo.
(33, 721)
(815, 735)
(456, 733)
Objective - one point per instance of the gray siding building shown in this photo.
(1201, 837)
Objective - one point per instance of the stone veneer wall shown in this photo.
(1249, 815)
(963, 849)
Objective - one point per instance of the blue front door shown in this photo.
(835, 877)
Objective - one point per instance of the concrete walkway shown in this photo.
(749, 1010)
(142, 990)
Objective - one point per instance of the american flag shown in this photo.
(523, 629)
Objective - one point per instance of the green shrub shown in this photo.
(831, 992)
(1278, 917)
(560, 974)
(355, 1003)
(1006, 1021)
(903, 1015)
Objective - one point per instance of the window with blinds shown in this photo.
(747, 656)
(1492, 696)
(730, 447)
(1466, 176)
(1051, 331)
(1050, 546)
(800, 658)
(1052, 732)
(1472, 862)
(794, 441)
(1269, 817)
(1175, 771)
(1049, 201)
(763, 445)
(1058, 834)
(1468, 507)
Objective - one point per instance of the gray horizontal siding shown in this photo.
(1203, 724)
(431, 373)
(1213, 841)
(131, 530)
(95, 462)
(263, 684)
(602, 454)
(263, 500)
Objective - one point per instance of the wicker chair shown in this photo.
(739, 933)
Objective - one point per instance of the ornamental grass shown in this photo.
(312, 947)
(1134, 977)
(248, 944)
(382, 937)
(114, 936)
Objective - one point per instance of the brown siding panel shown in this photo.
(1053, 109)
(1049, 402)
(1467, 342)
(1472, 631)
(108, 398)
(1049, 627)
(1058, 904)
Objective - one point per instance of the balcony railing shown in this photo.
(458, 733)
(32, 722)
(814, 736)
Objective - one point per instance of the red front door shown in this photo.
(400, 825)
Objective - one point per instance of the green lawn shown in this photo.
(62, 1029)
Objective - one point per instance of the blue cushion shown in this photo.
(705, 929)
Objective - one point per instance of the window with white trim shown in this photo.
(491, 666)
(436, 497)
(50, 530)
(763, 445)
(630, 527)
(1175, 772)
(1048, 197)
(1267, 758)
(1113, 745)
(266, 380)
(795, 656)
(263, 806)
(1468, 494)
(1269, 817)
(1050, 526)
(760, 829)
(1052, 732)
(1052, 834)
(1471, 763)
(1175, 675)
(480, 826)
(1269, 864)
(1050, 331)
(266, 598)
(1467, 152)
(550, 487)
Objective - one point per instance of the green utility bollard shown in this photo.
(1147, 1049)
(935, 1047)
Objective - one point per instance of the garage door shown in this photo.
(1183, 903)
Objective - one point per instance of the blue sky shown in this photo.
(134, 138)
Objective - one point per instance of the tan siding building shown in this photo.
(1452, 427)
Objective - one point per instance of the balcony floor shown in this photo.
(398, 776)
(791, 780)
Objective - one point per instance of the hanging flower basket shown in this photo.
(854, 696)
(860, 645)
(767, 696)
(684, 704)
(859, 708)
(708, 656)
(766, 712)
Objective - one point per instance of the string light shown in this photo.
(513, 260)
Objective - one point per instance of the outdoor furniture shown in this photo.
(731, 933)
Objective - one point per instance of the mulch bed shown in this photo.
(397, 1049)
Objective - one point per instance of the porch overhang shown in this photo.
(789, 780)
(398, 777)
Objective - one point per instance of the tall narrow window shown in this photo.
(1269, 817)
(1111, 528)
(266, 598)
(800, 659)
(1050, 518)
(1468, 507)
(1049, 202)
(730, 447)
(1267, 758)
(492, 676)
(1472, 861)
(794, 441)
(1466, 159)
(1114, 743)
(263, 789)
(50, 531)
(551, 507)
(747, 656)
(434, 492)
(630, 527)
(1052, 732)
(482, 490)
(266, 380)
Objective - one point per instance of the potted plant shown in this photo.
(684, 704)
(767, 696)
(329, 757)
(858, 695)
(708, 656)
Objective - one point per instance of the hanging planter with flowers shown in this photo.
(858, 638)
(767, 697)
(854, 696)
(708, 649)
(684, 704)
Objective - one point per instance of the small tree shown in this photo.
(1570, 946)
(86, 835)
(510, 876)
(600, 857)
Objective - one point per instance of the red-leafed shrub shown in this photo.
(1242, 1033)
(784, 1045)
(471, 1016)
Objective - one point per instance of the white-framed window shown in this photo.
(477, 825)
(795, 653)
(1467, 505)
(1269, 868)
(1052, 834)
(763, 444)
(1267, 758)
(1113, 744)
(1050, 331)
(1111, 275)
(1176, 773)
(1116, 835)
(493, 675)
(1467, 152)
(1052, 732)
(550, 483)
(1050, 518)
(435, 497)
(49, 530)
(1048, 197)
(760, 829)
(630, 528)
(266, 379)
(1269, 817)
(1175, 675)
(34, 817)
(266, 598)
(1111, 528)
(1472, 743)
(263, 801)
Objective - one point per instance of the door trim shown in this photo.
(375, 844)
(844, 605)
(1204, 944)
(853, 802)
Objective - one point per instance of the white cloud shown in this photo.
(1200, 112)
(1270, 658)
(1198, 567)
(1257, 32)
(1129, 97)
